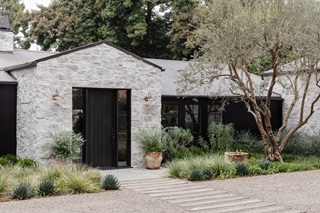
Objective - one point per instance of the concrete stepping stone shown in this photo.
(272, 209)
(201, 197)
(225, 205)
(180, 192)
(192, 195)
(212, 201)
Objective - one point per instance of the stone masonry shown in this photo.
(100, 66)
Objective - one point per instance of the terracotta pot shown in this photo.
(153, 160)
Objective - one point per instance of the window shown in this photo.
(214, 114)
(193, 118)
(169, 115)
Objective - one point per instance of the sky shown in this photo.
(32, 4)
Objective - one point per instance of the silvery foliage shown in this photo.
(234, 33)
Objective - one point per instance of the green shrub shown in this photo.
(196, 150)
(176, 140)
(110, 182)
(195, 174)
(242, 169)
(3, 182)
(65, 145)
(8, 159)
(198, 174)
(264, 164)
(246, 141)
(221, 136)
(46, 188)
(22, 191)
(150, 140)
(175, 169)
(78, 179)
(27, 163)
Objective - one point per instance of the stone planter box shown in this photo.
(236, 157)
(59, 162)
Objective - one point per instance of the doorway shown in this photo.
(103, 118)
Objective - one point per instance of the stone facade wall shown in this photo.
(100, 66)
(312, 127)
(6, 41)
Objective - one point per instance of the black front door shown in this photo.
(100, 128)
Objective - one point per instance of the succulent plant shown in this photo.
(264, 164)
(242, 169)
(198, 174)
(46, 188)
(110, 182)
(22, 191)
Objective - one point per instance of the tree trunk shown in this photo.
(273, 154)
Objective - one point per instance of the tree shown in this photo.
(182, 28)
(18, 18)
(138, 26)
(232, 34)
(65, 25)
(134, 25)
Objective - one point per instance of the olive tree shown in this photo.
(234, 34)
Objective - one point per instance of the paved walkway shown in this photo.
(196, 198)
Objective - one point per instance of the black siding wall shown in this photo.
(237, 114)
(8, 103)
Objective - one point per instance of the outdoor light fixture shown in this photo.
(149, 98)
(56, 96)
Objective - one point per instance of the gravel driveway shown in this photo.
(299, 190)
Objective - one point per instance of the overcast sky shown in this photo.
(32, 4)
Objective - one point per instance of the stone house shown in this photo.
(111, 84)
(105, 92)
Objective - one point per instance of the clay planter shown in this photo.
(153, 160)
(236, 157)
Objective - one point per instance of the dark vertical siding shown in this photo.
(234, 112)
(8, 111)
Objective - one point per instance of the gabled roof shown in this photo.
(169, 84)
(20, 56)
(34, 62)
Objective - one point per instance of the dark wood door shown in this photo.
(100, 128)
(8, 119)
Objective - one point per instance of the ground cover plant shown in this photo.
(22, 182)
(191, 167)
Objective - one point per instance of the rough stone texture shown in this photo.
(6, 41)
(312, 127)
(100, 66)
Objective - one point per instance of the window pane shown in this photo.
(214, 114)
(169, 115)
(192, 118)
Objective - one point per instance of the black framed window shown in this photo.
(192, 117)
(214, 114)
(169, 115)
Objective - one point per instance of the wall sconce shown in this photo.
(56, 96)
(149, 98)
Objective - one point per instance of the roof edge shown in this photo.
(34, 63)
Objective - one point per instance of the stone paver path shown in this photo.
(197, 198)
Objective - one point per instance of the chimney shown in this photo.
(6, 35)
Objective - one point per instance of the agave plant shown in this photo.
(110, 182)
(46, 188)
(22, 191)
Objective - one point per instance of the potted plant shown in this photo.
(65, 147)
(152, 145)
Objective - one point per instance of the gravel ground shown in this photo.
(298, 190)
(124, 201)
